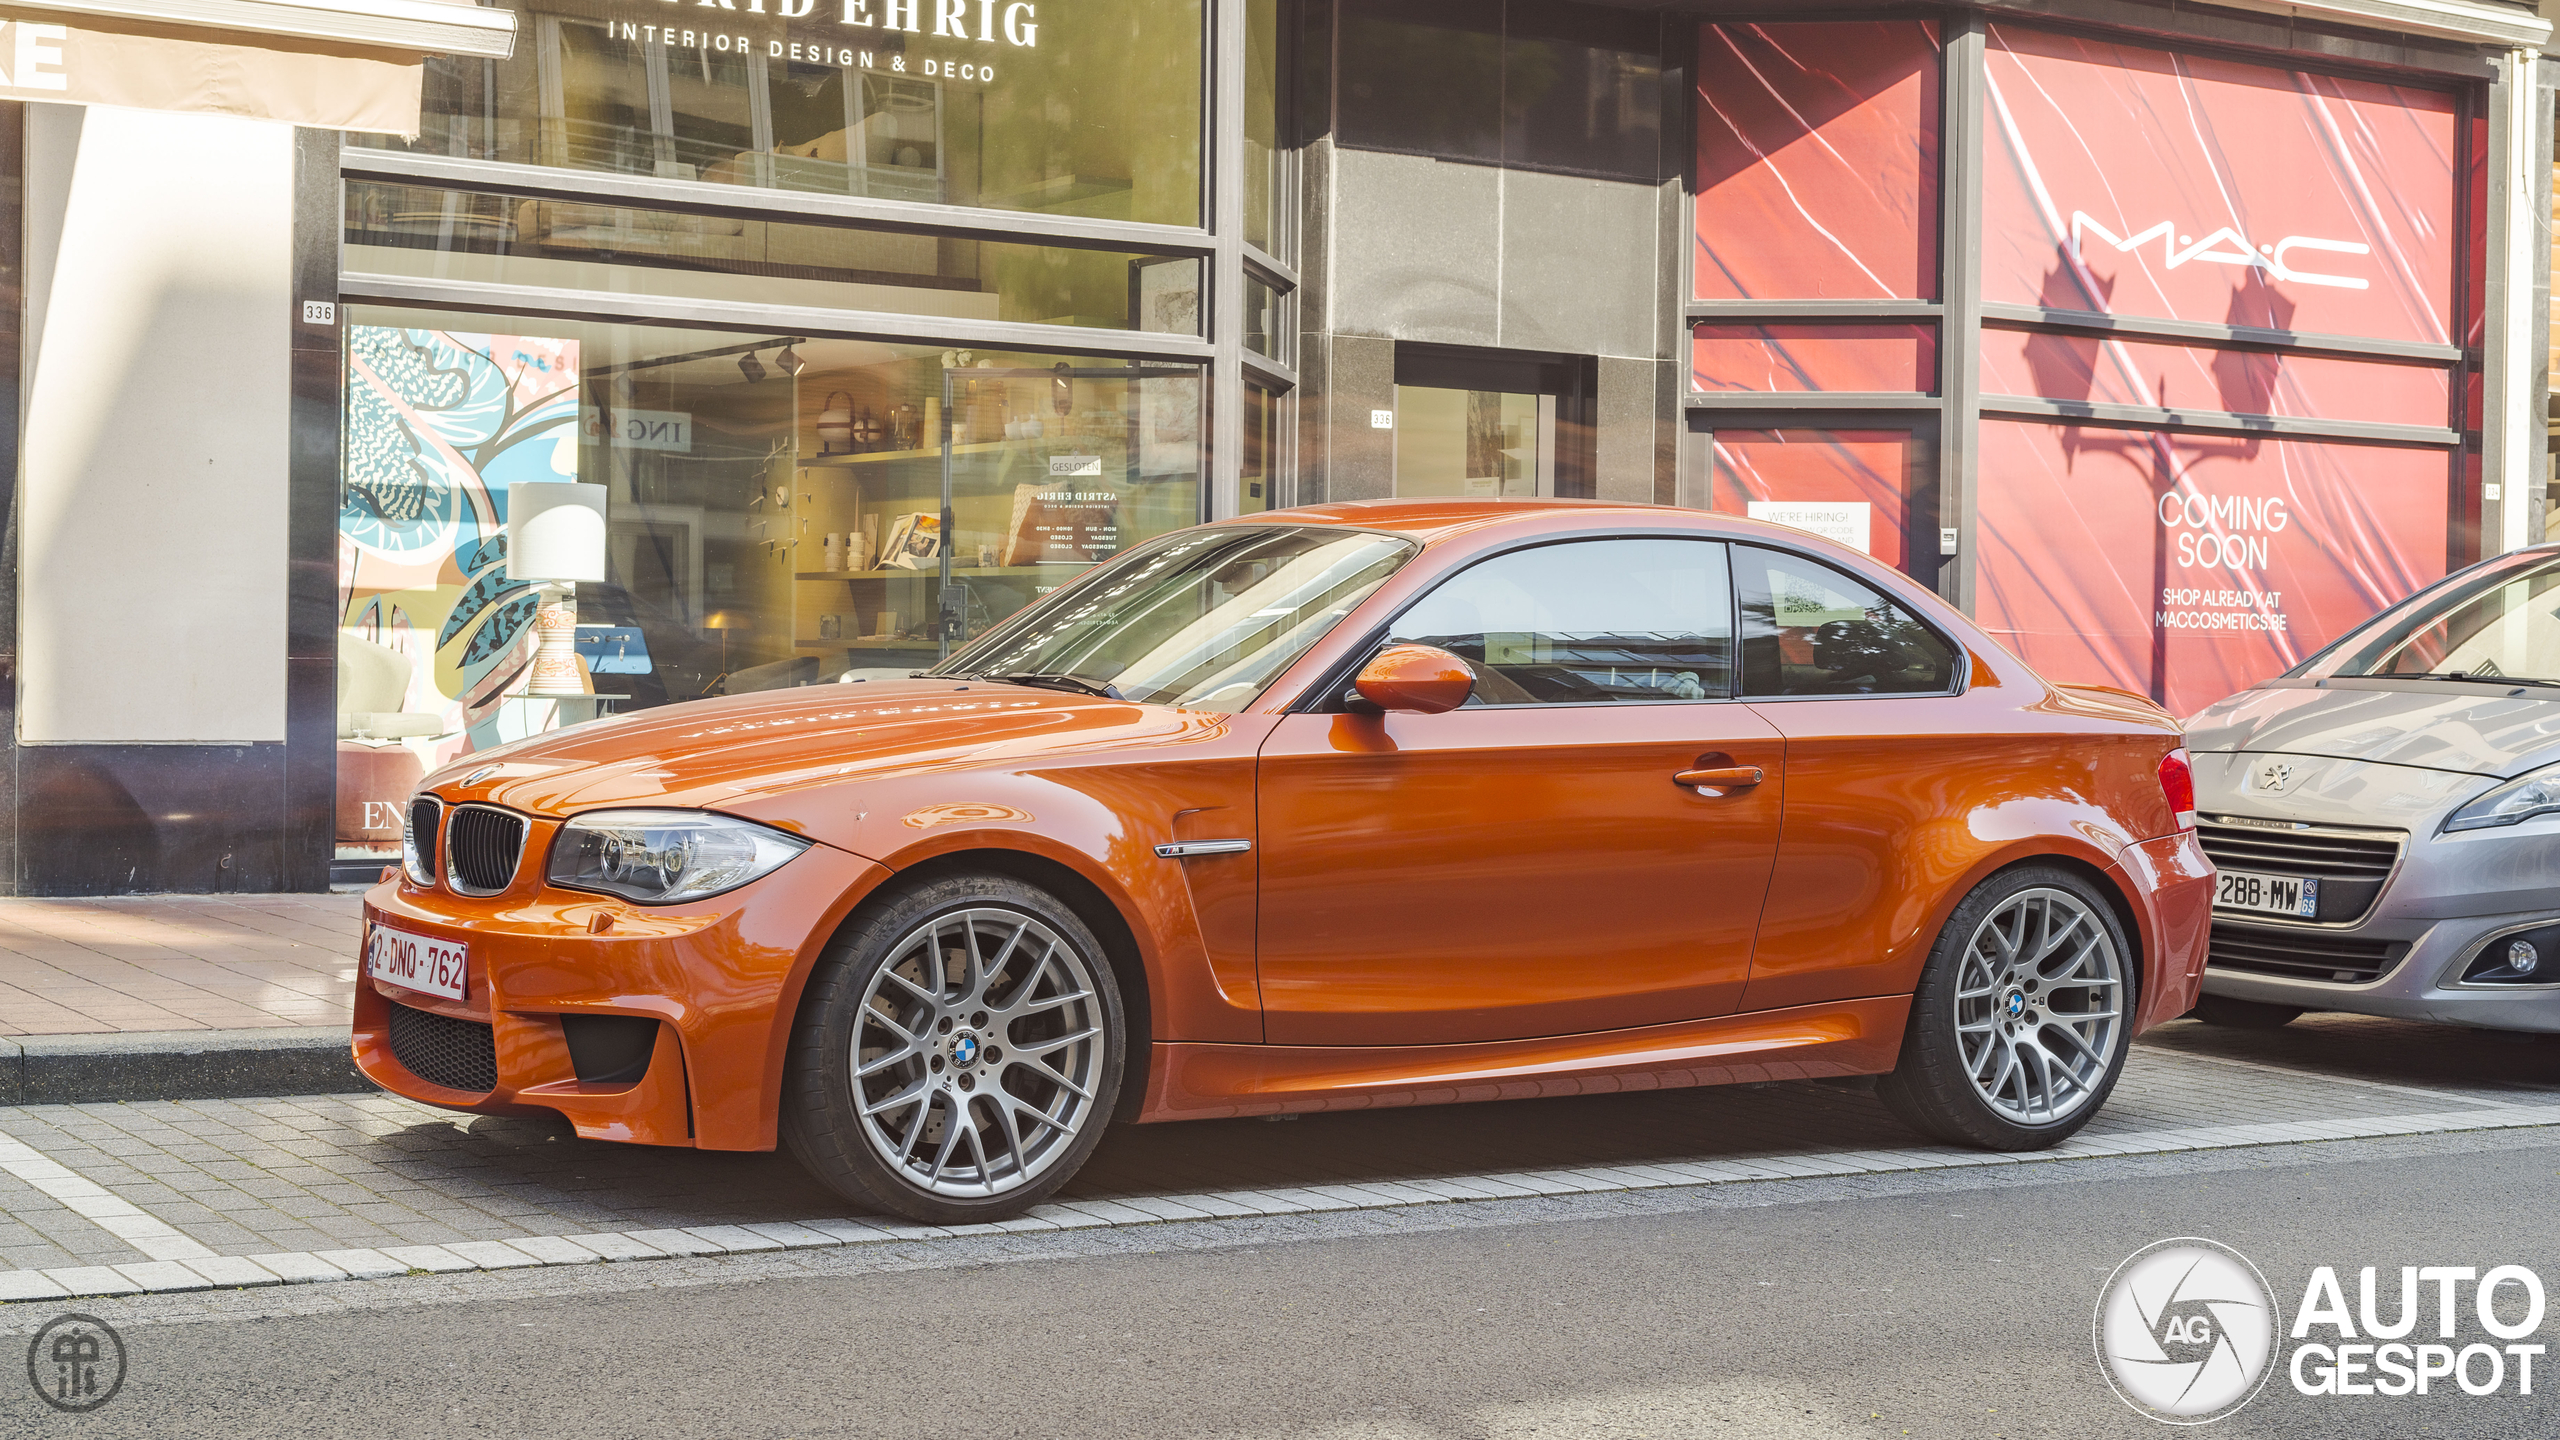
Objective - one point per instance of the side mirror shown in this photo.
(1417, 679)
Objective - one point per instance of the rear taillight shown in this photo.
(2178, 787)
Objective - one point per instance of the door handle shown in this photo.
(1734, 775)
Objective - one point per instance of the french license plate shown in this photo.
(415, 962)
(2268, 895)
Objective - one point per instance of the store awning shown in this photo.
(335, 64)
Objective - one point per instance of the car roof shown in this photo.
(1431, 520)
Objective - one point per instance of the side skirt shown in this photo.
(1807, 1042)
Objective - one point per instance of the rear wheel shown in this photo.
(2243, 1014)
(958, 1053)
(2020, 1025)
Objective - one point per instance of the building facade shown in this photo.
(2169, 340)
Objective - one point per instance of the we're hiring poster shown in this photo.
(2136, 182)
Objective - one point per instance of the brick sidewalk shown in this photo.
(176, 962)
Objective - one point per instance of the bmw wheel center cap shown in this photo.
(964, 1049)
(2015, 1005)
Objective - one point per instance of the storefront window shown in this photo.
(579, 245)
(1258, 476)
(781, 510)
(1814, 357)
(1030, 105)
(1266, 201)
(1818, 161)
(2189, 566)
(1531, 84)
(1851, 486)
(2281, 199)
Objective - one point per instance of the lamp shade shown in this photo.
(555, 532)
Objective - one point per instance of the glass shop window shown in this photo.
(779, 512)
(1029, 105)
(1535, 84)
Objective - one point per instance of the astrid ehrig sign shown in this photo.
(989, 22)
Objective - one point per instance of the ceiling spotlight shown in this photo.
(751, 367)
(790, 361)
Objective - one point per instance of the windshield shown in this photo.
(1203, 619)
(2502, 622)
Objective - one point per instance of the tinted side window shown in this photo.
(1808, 629)
(1587, 620)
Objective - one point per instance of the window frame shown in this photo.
(1325, 697)
(1959, 657)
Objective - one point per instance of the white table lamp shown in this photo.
(555, 538)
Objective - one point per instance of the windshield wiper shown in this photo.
(2474, 679)
(1059, 680)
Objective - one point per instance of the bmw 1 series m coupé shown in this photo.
(1354, 805)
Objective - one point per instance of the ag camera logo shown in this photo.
(2185, 1331)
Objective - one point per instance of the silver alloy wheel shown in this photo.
(2039, 1002)
(976, 1052)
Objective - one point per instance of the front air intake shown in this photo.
(456, 1054)
(482, 848)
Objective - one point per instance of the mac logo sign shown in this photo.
(2227, 246)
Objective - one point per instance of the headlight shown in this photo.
(661, 857)
(2518, 799)
(414, 856)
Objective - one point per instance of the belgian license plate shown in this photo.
(2268, 894)
(416, 962)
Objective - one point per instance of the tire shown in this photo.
(2243, 1014)
(2023, 1015)
(1022, 1032)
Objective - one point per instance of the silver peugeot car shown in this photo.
(2386, 815)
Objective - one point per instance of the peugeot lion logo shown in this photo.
(2185, 1330)
(2272, 778)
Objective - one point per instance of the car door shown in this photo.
(1525, 865)
(1880, 746)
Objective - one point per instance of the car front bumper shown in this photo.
(721, 975)
(2447, 896)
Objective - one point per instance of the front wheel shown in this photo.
(958, 1053)
(2022, 1019)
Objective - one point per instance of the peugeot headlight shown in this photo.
(2519, 799)
(662, 857)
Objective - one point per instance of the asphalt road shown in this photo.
(1945, 1304)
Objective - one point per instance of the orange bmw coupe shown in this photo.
(1357, 805)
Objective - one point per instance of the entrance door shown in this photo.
(1525, 865)
(1491, 424)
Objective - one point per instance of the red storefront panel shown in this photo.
(2190, 566)
(2196, 377)
(2139, 182)
(1815, 357)
(1832, 482)
(1818, 161)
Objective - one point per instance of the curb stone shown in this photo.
(177, 1065)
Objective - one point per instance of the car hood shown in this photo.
(2471, 730)
(734, 753)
